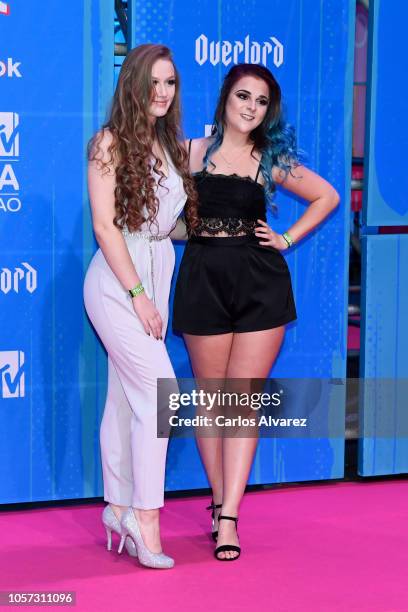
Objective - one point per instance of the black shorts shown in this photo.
(231, 284)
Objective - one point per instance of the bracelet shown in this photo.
(288, 239)
(136, 290)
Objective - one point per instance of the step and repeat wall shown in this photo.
(308, 46)
(56, 78)
(383, 447)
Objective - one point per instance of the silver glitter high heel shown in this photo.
(112, 523)
(130, 527)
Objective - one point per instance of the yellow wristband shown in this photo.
(288, 239)
(136, 290)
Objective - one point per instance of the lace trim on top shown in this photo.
(230, 226)
(204, 172)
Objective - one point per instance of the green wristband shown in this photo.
(136, 290)
(288, 239)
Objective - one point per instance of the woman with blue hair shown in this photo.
(233, 294)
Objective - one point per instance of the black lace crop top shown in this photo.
(228, 203)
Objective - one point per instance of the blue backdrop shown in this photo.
(386, 130)
(53, 96)
(383, 447)
(57, 81)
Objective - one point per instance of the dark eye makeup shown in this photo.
(243, 95)
(171, 81)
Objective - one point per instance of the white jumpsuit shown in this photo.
(133, 457)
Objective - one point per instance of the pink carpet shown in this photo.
(320, 548)
(353, 338)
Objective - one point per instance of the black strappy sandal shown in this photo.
(213, 507)
(227, 547)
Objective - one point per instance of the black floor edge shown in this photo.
(354, 477)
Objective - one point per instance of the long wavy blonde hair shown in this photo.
(131, 145)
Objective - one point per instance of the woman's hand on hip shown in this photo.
(148, 315)
(269, 237)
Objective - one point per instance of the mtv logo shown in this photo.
(4, 8)
(12, 376)
(9, 135)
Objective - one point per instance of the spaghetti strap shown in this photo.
(257, 172)
(189, 147)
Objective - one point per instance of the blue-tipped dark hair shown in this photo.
(273, 138)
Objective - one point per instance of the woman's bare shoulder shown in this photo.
(104, 138)
(199, 146)
(202, 143)
(197, 150)
(100, 149)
